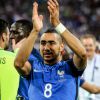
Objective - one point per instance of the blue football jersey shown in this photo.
(23, 88)
(57, 82)
(25, 82)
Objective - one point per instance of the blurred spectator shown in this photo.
(92, 71)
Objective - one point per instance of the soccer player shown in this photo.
(19, 31)
(51, 79)
(9, 78)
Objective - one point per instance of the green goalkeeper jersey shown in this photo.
(9, 77)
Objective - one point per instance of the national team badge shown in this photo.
(60, 73)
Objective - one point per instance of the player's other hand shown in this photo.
(53, 8)
(36, 19)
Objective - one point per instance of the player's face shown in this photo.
(15, 32)
(7, 39)
(90, 47)
(50, 48)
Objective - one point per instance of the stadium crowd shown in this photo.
(80, 16)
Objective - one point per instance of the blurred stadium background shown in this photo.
(80, 16)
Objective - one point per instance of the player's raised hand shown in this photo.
(19, 44)
(36, 19)
(53, 8)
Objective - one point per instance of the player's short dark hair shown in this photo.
(53, 31)
(3, 26)
(25, 25)
(50, 30)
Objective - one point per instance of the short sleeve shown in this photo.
(74, 69)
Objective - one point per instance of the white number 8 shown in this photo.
(47, 91)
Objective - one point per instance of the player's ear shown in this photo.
(61, 47)
(4, 35)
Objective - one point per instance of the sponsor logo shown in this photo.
(2, 60)
(35, 70)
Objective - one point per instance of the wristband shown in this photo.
(60, 28)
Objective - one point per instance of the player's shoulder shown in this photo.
(6, 57)
(7, 53)
(66, 62)
(63, 63)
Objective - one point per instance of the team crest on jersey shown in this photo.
(60, 73)
(61, 76)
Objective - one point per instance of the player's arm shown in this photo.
(21, 63)
(90, 87)
(73, 42)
